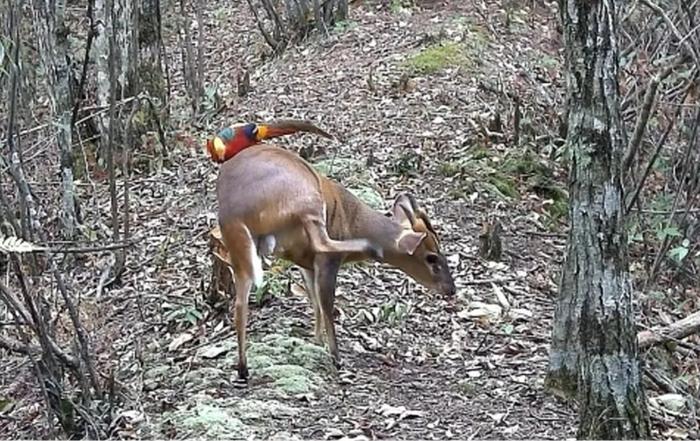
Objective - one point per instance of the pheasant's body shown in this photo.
(231, 140)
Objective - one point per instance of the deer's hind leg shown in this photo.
(315, 227)
(247, 270)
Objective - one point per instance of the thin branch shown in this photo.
(691, 50)
(692, 142)
(659, 145)
(266, 35)
(80, 331)
(643, 117)
(88, 45)
(112, 121)
(92, 249)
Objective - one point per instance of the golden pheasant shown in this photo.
(231, 140)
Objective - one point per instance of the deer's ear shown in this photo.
(410, 241)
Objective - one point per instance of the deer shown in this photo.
(271, 202)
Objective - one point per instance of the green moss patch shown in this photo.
(438, 57)
(213, 417)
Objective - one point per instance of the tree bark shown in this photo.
(121, 25)
(54, 48)
(594, 349)
(150, 75)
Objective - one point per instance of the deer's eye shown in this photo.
(432, 259)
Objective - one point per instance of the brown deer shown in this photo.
(271, 201)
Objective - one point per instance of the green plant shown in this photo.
(344, 25)
(398, 6)
(680, 252)
(184, 314)
(275, 281)
(408, 163)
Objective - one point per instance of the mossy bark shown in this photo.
(594, 354)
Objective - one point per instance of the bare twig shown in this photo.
(273, 43)
(92, 249)
(659, 145)
(493, 280)
(112, 121)
(92, 31)
(80, 331)
(686, 170)
(691, 50)
(643, 117)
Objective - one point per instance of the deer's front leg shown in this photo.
(326, 272)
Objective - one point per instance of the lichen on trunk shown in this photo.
(594, 353)
(54, 49)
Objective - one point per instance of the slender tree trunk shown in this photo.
(54, 47)
(594, 352)
(120, 24)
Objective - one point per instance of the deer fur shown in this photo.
(272, 202)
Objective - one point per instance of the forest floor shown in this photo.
(422, 99)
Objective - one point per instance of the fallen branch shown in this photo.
(675, 331)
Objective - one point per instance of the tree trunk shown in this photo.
(122, 27)
(292, 21)
(53, 42)
(594, 347)
(150, 77)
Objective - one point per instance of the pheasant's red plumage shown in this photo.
(231, 140)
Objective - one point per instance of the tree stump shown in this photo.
(490, 240)
(221, 284)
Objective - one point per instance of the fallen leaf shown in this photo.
(520, 314)
(388, 410)
(501, 297)
(179, 341)
(676, 433)
(672, 402)
(215, 351)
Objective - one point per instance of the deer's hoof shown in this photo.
(243, 373)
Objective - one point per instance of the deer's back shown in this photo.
(267, 188)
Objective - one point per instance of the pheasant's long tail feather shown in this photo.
(288, 126)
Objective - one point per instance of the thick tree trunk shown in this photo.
(594, 346)
(150, 67)
(53, 42)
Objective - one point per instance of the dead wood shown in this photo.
(675, 331)
(221, 281)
